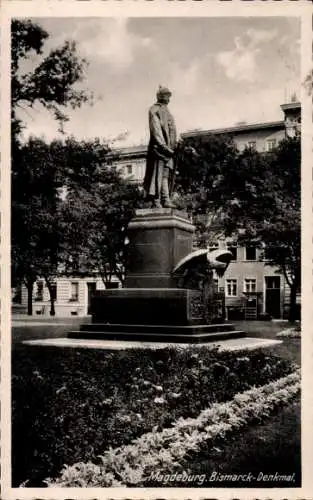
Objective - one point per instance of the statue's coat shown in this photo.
(162, 143)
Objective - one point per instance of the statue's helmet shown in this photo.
(163, 91)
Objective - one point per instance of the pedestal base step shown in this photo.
(155, 328)
(150, 333)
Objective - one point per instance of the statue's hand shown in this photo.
(169, 151)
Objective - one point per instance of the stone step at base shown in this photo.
(166, 329)
(190, 337)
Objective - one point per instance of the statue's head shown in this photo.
(163, 95)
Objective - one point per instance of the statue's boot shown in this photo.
(166, 202)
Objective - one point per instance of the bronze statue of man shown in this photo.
(160, 165)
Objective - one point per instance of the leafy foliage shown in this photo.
(37, 236)
(251, 196)
(96, 212)
(70, 211)
(68, 206)
(273, 217)
(53, 82)
(203, 164)
(72, 405)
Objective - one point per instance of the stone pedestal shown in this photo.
(159, 238)
(151, 307)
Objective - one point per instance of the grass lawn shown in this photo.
(289, 349)
(264, 329)
(40, 327)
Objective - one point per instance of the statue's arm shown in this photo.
(156, 131)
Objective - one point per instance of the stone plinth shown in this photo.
(159, 238)
(148, 306)
(152, 314)
(151, 308)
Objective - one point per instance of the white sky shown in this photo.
(220, 70)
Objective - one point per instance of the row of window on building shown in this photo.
(250, 252)
(252, 293)
(74, 289)
(249, 285)
(270, 145)
(231, 288)
(39, 293)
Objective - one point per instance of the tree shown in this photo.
(280, 228)
(109, 245)
(96, 212)
(70, 211)
(52, 84)
(36, 232)
(271, 214)
(257, 198)
(202, 183)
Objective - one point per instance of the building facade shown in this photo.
(72, 295)
(262, 136)
(251, 288)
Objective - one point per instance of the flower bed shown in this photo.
(69, 406)
(133, 465)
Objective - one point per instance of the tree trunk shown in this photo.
(52, 308)
(30, 286)
(51, 297)
(293, 303)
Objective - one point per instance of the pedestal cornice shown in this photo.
(158, 218)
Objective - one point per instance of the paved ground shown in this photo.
(247, 343)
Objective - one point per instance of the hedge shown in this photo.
(294, 332)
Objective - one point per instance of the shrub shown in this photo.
(68, 406)
(294, 332)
